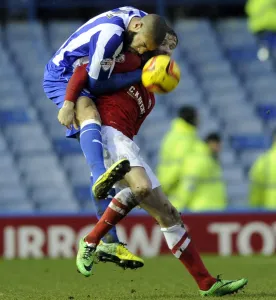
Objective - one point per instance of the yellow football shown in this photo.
(161, 74)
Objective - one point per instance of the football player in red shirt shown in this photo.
(122, 114)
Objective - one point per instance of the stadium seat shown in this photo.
(252, 141)
(16, 116)
(64, 146)
(61, 207)
(50, 195)
(238, 195)
(12, 195)
(233, 174)
(83, 193)
(227, 158)
(37, 162)
(17, 207)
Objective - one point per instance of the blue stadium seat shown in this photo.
(16, 116)
(266, 111)
(3, 144)
(238, 195)
(220, 99)
(192, 25)
(10, 177)
(50, 195)
(233, 174)
(27, 139)
(227, 158)
(255, 68)
(64, 146)
(234, 40)
(24, 30)
(263, 96)
(220, 84)
(54, 177)
(232, 25)
(76, 166)
(61, 207)
(12, 194)
(214, 70)
(242, 54)
(188, 98)
(252, 141)
(36, 162)
(252, 126)
(82, 193)
(17, 207)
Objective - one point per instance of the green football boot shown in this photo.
(85, 258)
(224, 287)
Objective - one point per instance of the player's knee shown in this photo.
(142, 190)
(86, 110)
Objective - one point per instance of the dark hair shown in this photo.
(173, 33)
(213, 137)
(189, 114)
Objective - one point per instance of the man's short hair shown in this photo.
(213, 137)
(188, 113)
(156, 27)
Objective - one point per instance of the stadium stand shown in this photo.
(221, 76)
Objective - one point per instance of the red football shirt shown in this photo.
(124, 110)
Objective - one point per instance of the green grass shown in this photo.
(161, 278)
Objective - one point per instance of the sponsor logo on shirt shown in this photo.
(134, 93)
(106, 64)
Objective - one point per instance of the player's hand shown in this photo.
(66, 115)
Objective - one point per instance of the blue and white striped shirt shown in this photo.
(98, 42)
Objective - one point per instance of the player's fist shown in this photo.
(66, 115)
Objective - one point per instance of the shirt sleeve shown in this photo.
(76, 83)
(104, 47)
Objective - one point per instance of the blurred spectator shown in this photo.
(177, 143)
(201, 186)
(262, 22)
(263, 179)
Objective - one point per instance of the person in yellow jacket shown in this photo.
(262, 175)
(201, 186)
(177, 143)
(262, 23)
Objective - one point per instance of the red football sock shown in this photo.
(183, 248)
(114, 213)
(191, 260)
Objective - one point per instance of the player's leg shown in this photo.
(91, 144)
(100, 207)
(119, 207)
(183, 248)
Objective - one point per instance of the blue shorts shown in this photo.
(55, 82)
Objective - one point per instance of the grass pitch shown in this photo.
(162, 278)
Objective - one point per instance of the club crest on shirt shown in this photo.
(106, 64)
(120, 58)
